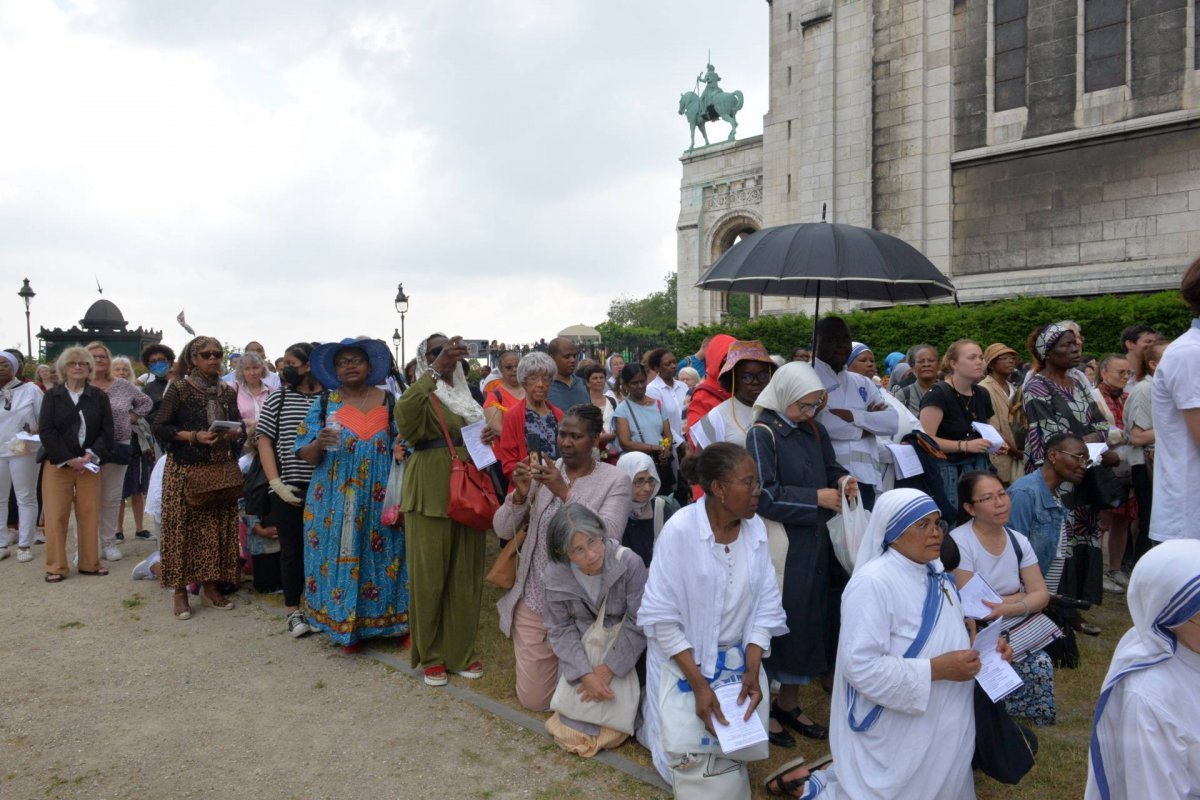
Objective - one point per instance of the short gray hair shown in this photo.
(571, 519)
(536, 363)
(74, 353)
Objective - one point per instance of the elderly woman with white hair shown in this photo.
(903, 718)
(591, 578)
(531, 420)
(252, 390)
(1146, 731)
(76, 428)
(20, 404)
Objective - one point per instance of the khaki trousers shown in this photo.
(537, 666)
(62, 488)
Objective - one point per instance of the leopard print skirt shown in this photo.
(198, 544)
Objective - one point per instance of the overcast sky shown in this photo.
(276, 167)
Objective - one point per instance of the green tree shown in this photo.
(656, 310)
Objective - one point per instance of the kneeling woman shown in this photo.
(588, 575)
(710, 610)
(540, 489)
(903, 718)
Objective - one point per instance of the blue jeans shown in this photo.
(949, 473)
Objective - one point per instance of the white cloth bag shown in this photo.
(682, 732)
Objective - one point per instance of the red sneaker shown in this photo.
(352, 649)
(436, 676)
(474, 670)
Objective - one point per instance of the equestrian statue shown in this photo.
(709, 106)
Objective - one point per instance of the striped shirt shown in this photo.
(293, 471)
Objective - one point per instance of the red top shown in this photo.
(512, 447)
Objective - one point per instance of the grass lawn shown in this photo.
(1061, 766)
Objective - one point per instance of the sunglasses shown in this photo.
(754, 377)
(209, 354)
(1081, 458)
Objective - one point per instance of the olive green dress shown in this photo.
(445, 559)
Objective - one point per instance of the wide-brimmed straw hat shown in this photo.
(379, 359)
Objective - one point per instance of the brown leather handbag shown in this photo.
(213, 485)
(503, 573)
(473, 500)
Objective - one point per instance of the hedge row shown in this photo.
(1010, 321)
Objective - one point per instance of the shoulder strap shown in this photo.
(659, 512)
(324, 407)
(1016, 548)
(499, 398)
(445, 432)
(389, 402)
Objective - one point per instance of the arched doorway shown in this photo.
(726, 233)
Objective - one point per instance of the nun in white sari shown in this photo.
(902, 723)
(1146, 732)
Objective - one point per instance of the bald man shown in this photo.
(566, 389)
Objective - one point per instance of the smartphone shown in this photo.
(476, 348)
(533, 443)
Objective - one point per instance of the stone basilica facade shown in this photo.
(1025, 146)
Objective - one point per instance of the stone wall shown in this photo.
(1120, 213)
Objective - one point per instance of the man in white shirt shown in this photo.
(855, 412)
(1176, 401)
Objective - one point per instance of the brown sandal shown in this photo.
(54, 577)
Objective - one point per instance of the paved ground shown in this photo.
(106, 695)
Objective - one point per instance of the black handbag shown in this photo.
(1083, 574)
(255, 486)
(1004, 750)
(1101, 488)
(121, 454)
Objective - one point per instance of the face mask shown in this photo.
(292, 376)
(159, 369)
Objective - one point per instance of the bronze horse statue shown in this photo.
(725, 105)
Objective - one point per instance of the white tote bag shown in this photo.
(846, 531)
(620, 712)
(681, 731)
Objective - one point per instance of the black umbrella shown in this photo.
(823, 259)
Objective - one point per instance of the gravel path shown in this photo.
(106, 695)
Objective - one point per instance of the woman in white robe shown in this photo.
(1146, 732)
(711, 593)
(902, 724)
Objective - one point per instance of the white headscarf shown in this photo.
(790, 382)
(1164, 592)
(456, 396)
(632, 464)
(894, 512)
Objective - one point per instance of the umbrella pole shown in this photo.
(816, 316)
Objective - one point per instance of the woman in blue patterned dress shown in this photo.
(356, 581)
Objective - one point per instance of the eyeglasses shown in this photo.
(752, 484)
(753, 377)
(434, 352)
(643, 481)
(209, 354)
(349, 361)
(83, 364)
(543, 380)
(991, 498)
(592, 544)
(1080, 458)
(813, 407)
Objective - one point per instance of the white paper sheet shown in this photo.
(973, 593)
(480, 453)
(698, 436)
(28, 437)
(996, 676)
(907, 462)
(991, 434)
(1095, 450)
(739, 733)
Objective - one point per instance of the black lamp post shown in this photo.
(396, 339)
(402, 309)
(27, 294)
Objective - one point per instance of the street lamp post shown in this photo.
(402, 308)
(396, 339)
(27, 294)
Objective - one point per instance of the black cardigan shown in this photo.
(58, 425)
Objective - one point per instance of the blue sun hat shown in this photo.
(379, 358)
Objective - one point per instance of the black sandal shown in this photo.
(776, 785)
(101, 571)
(54, 577)
(813, 730)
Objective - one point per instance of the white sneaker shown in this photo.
(297, 625)
(1111, 586)
(142, 571)
(1119, 577)
(23, 555)
(111, 553)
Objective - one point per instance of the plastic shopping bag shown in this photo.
(846, 531)
(393, 517)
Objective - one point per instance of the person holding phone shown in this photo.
(531, 424)
(444, 558)
(199, 544)
(641, 426)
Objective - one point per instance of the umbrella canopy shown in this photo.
(823, 259)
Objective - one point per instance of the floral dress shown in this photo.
(356, 578)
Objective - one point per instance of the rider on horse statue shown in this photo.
(712, 86)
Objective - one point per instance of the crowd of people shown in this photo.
(670, 527)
